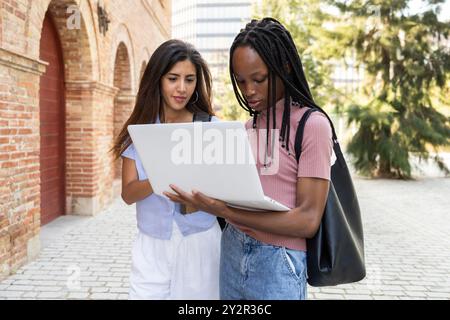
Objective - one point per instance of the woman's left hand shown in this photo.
(197, 200)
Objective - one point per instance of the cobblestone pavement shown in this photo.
(407, 242)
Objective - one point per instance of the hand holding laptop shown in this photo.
(197, 200)
(213, 157)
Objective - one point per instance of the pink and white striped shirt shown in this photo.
(315, 161)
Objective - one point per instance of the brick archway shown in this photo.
(143, 66)
(77, 67)
(88, 59)
(124, 100)
(80, 42)
(123, 64)
(122, 37)
(145, 57)
(52, 125)
(81, 73)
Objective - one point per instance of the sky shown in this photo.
(418, 6)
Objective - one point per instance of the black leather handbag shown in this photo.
(335, 255)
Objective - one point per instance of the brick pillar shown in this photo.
(89, 123)
(19, 160)
(123, 106)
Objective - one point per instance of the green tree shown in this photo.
(304, 21)
(407, 69)
(226, 102)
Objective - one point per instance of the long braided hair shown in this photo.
(274, 44)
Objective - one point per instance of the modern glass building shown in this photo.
(211, 25)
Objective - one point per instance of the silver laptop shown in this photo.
(214, 158)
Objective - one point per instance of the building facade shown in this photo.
(211, 25)
(69, 73)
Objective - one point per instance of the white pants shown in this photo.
(182, 268)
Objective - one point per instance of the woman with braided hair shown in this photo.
(263, 254)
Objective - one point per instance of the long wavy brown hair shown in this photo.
(149, 98)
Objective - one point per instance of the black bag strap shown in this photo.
(333, 131)
(202, 116)
(299, 138)
(300, 131)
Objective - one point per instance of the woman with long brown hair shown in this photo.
(174, 256)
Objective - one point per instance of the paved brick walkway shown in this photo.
(407, 241)
(407, 235)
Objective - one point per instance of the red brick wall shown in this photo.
(19, 159)
(14, 16)
(96, 102)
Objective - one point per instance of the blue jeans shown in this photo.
(253, 270)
